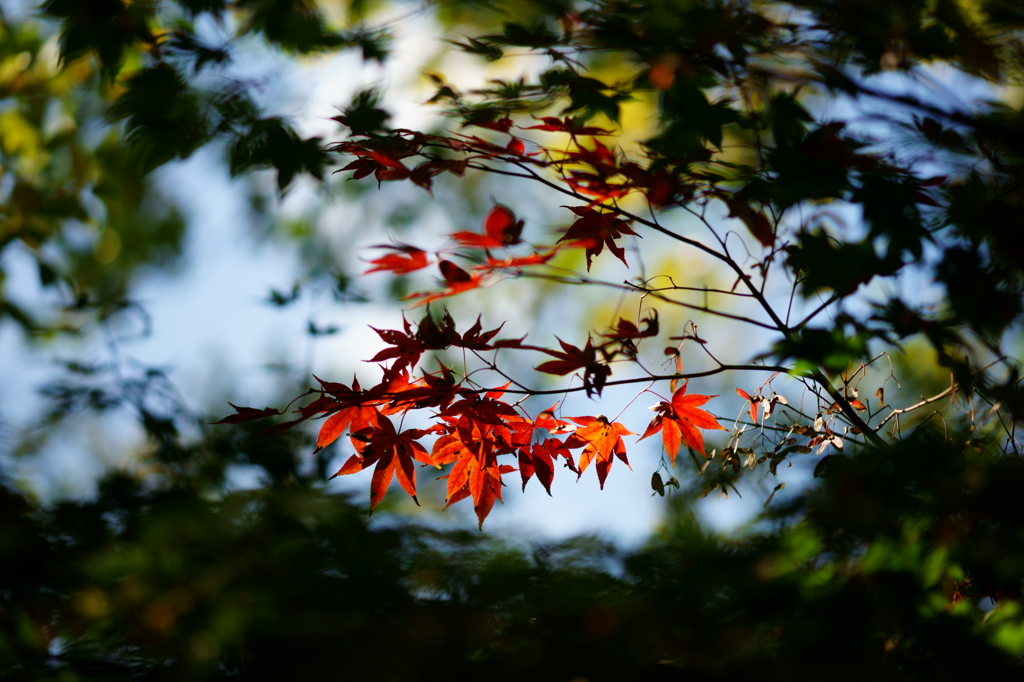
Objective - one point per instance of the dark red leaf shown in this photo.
(452, 273)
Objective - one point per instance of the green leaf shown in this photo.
(162, 116)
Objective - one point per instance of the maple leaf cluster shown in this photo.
(588, 168)
(592, 231)
(680, 421)
(477, 436)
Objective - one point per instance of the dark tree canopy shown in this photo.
(849, 174)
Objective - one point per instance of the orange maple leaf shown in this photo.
(354, 418)
(393, 453)
(483, 484)
(680, 421)
(602, 440)
(754, 400)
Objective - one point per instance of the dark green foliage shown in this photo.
(271, 142)
(787, 119)
(587, 96)
(892, 214)
(538, 36)
(834, 349)
(692, 122)
(842, 266)
(815, 166)
(159, 581)
(202, 54)
(363, 116)
(110, 27)
(162, 115)
(969, 281)
(194, 7)
(291, 24)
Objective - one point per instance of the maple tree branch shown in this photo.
(817, 311)
(779, 325)
(493, 366)
(792, 296)
(654, 377)
(576, 279)
(847, 409)
(725, 258)
(927, 401)
(706, 309)
(615, 209)
(656, 293)
(745, 278)
(629, 286)
(702, 290)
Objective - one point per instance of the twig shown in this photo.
(917, 406)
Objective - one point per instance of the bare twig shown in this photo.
(927, 401)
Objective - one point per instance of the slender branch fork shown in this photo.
(645, 379)
(916, 406)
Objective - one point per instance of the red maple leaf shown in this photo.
(754, 401)
(538, 458)
(354, 418)
(502, 125)
(596, 185)
(478, 432)
(755, 220)
(407, 259)
(600, 158)
(458, 281)
(382, 165)
(601, 440)
(501, 225)
(481, 483)
(571, 358)
(628, 330)
(403, 348)
(500, 229)
(519, 261)
(423, 174)
(569, 125)
(596, 230)
(477, 339)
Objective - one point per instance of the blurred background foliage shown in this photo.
(900, 563)
(170, 577)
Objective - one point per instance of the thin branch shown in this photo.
(927, 401)
(656, 377)
(817, 311)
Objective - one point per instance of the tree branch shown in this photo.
(927, 401)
